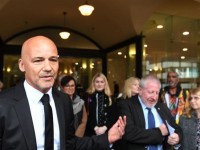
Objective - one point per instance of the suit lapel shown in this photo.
(161, 112)
(24, 116)
(138, 110)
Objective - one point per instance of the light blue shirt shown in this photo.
(158, 120)
(37, 113)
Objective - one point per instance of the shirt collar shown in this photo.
(34, 94)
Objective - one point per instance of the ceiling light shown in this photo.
(186, 33)
(119, 53)
(86, 9)
(159, 26)
(185, 49)
(182, 57)
(64, 34)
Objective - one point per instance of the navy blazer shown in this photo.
(16, 126)
(136, 136)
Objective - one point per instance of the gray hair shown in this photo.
(173, 71)
(148, 77)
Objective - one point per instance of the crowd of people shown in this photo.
(143, 116)
(36, 116)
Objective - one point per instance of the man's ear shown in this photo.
(21, 65)
(139, 90)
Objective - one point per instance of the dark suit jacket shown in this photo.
(16, 126)
(136, 136)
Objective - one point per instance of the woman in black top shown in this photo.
(99, 106)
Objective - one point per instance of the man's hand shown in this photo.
(163, 129)
(100, 130)
(173, 139)
(117, 131)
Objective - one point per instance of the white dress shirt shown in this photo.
(38, 118)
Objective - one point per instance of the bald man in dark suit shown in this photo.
(22, 113)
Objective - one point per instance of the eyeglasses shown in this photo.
(70, 86)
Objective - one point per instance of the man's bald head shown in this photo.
(39, 61)
(34, 42)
